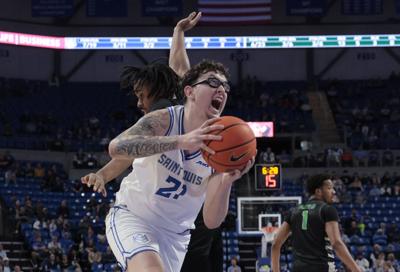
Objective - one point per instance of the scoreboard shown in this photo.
(268, 176)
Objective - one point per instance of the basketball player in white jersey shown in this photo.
(150, 95)
(148, 228)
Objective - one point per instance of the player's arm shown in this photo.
(280, 238)
(110, 171)
(217, 196)
(145, 137)
(332, 230)
(178, 58)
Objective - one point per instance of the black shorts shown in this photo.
(299, 266)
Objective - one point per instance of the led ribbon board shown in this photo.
(228, 42)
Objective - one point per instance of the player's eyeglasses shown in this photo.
(215, 83)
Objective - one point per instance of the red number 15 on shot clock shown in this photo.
(268, 176)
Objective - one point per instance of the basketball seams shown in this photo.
(236, 139)
(228, 165)
(236, 146)
(225, 129)
(217, 132)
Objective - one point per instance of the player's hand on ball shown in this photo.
(195, 139)
(237, 174)
(96, 181)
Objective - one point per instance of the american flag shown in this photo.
(235, 12)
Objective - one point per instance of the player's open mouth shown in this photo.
(216, 104)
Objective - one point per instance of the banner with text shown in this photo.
(165, 8)
(52, 8)
(362, 7)
(106, 8)
(306, 8)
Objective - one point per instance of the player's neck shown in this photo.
(314, 197)
(192, 119)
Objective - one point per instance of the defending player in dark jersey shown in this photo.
(315, 232)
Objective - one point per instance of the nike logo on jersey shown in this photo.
(236, 158)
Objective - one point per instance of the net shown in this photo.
(269, 233)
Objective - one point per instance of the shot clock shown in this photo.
(268, 176)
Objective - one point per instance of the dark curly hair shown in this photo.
(161, 80)
(316, 182)
(201, 68)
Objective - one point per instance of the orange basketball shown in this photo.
(237, 147)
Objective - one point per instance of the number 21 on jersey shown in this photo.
(172, 191)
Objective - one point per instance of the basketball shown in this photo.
(237, 147)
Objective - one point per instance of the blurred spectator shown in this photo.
(19, 170)
(333, 157)
(353, 229)
(347, 158)
(395, 263)
(267, 156)
(387, 158)
(39, 171)
(6, 160)
(362, 262)
(10, 176)
(49, 180)
(360, 157)
(39, 225)
(356, 184)
(94, 257)
(388, 267)
(108, 256)
(79, 159)
(57, 144)
(63, 209)
(6, 265)
(20, 217)
(3, 253)
(284, 158)
(378, 263)
(373, 158)
(53, 228)
(54, 246)
(38, 246)
(65, 263)
(379, 237)
(375, 191)
(104, 141)
(376, 250)
(50, 264)
(234, 267)
(91, 161)
(17, 268)
(29, 171)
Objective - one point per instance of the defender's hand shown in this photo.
(189, 22)
(96, 181)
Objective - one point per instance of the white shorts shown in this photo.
(129, 235)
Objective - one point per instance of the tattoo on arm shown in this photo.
(142, 146)
(143, 139)
(152, 124)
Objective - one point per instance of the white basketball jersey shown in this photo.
(167, 189)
